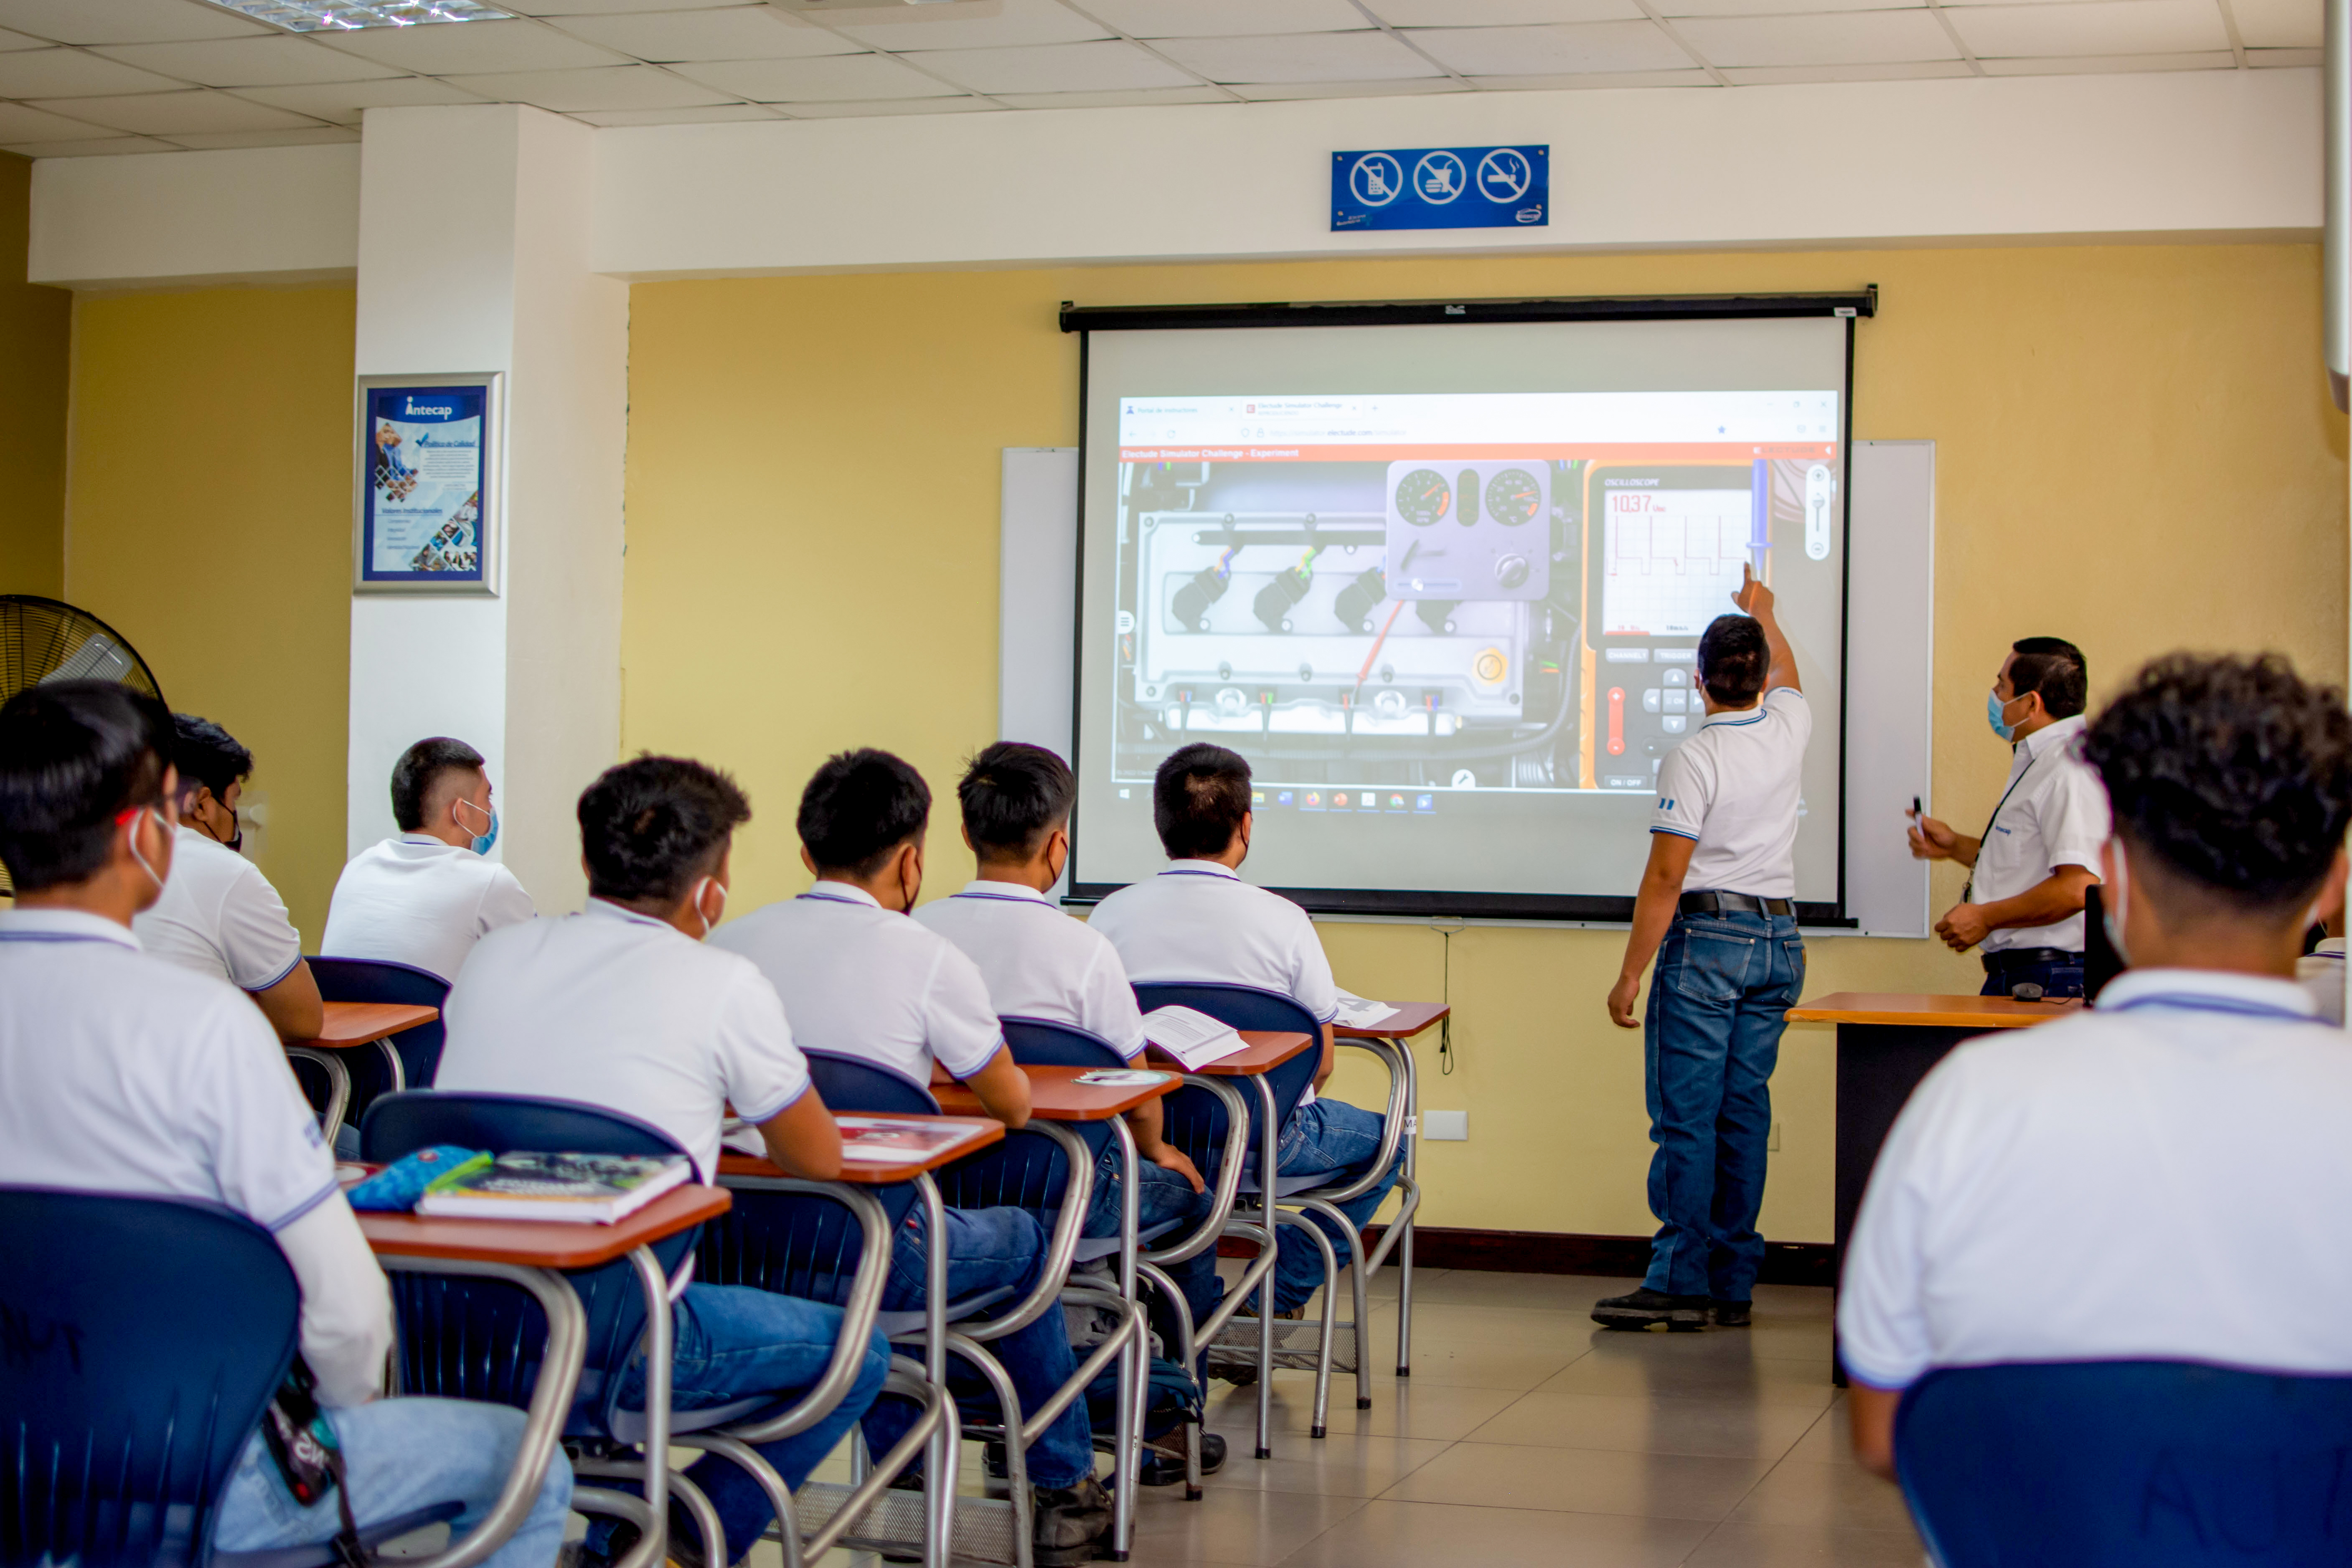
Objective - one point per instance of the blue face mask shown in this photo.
(1993, 709)
(482, 841)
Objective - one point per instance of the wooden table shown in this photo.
(349, 1025)
(1409, 1018)
(875, 1172)
(1055, 1094)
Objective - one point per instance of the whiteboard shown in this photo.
(1890, 656)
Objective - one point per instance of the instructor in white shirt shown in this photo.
(1729, 969)
(2164, 1178)
(425, 895)
(2040, 847)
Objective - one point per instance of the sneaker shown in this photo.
(1163, 1458)
(1730, 1314)
(1068, 1522)
(1641, 1309)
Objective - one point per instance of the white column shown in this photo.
(473, 255)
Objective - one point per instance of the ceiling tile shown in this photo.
(1223, 18)
(1274, 91)
(9, 41)
(344, 100)
(21, 123)
(1299, 57)
(446, 48)
(712, 114)
(2272, 59)
(164, 114)
(1633, 46)
(205, 141)
(1113, 99)
(1019, 22)
(2093, 27)
(1572, 80)
(1108, 66)
(1681, 8)
(282, 61)
(124, 21)
(1855, 37)
(598, 87)
(2280, 24)
(1892, 71)
(2102, 65)
(887, 106)
(94, 147)
(603, 7)
(69, 73)
(1490, 13)
(836, 79)
(738, 32)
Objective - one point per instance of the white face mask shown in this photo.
(707, 923)
(162, 827)
(2113, 904)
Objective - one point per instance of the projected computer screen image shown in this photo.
(1454, 632)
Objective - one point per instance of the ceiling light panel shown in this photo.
(1223, 18)
(737, 33)
(350, 15)
(1300, 58)
(122, 21)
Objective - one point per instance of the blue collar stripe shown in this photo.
(997, 899)
(2192, 1004)
(1212, 876)
(62, 936)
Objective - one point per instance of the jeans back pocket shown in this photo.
(1714, 966)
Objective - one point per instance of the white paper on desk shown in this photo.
(1355, 1013)
(1191, 1037)
(744, 1139)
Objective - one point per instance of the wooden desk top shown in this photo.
(1266, 1050)
(542, 1244)
(352, 1023)
(1055, 1095)
(874, 1174)
(1409, 1019)
(1931, 1012)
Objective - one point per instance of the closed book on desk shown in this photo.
(1192, 1038)
(572, 1189)
(898, 1139)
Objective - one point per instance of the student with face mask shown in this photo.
(2040, 849)
(426, 895)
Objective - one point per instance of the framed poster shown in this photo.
(425, 497)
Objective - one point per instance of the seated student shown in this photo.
(219, 915)
(861, 980)
(1198, 921)
(2155, 1180)
(1040, 963)
(131, 1077)
(623, 1005)
(424, 897)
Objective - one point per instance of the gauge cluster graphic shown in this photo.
(1465, 531)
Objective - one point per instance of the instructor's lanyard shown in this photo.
(1968, 889)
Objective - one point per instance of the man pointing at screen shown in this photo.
(1730, 969)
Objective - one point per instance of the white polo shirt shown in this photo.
(413, 899)
(121, 1074)
(219, 916)
(864, 982)
(1734, 786)
(1038, 961)
(2053, 813)
(2321, 973)
(617, 1009)
(2160, 1179)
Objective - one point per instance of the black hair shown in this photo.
(858, 807)
(1199, 798)
(75, 755)
(419, 769)
(1733, 660)
(1013, 794)
(2055, 667)
(207, 755)
(650, 828)
(2232, 773)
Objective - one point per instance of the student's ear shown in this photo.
(1248, 819)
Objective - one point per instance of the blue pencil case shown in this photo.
(396, 1187)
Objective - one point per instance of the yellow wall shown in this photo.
(34, 325)
(2135, 450)
(211, 524)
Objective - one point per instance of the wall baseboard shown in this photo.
(1567, 1252)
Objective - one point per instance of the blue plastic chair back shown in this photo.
(1195, 1122)
(2128, 1465)
(852, 1083)
(1038, 1042)
(143, 1338)
(1023, 1171)
(375, 980)
(481, 1338)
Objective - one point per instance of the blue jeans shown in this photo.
(1712, 1037)
(401, 1454)
(2055, 979)
(730, 1342)
(1160, 1194)
(1334, 1138)
(987, 1249)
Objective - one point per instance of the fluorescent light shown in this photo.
(349, 15)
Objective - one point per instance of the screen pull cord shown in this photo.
(1446, 929)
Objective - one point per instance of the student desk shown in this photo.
(348, 1026)
(536, 1255)
(1387, 1039)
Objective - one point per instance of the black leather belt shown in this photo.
(2011, 957)
(1715, 903)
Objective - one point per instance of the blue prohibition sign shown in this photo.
(1441, 187)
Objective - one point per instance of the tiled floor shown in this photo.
(1528, 1434)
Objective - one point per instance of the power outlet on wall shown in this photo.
(1446, 1126)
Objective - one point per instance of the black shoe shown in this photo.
(1067, 1521)
(685, 1543)
(1681, 1314)
(1165, 1466)
(1240, 1374)
(1731, 1314)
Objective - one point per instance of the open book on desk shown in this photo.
(894, 1140)
(1191, 1037)
(1355, 1013)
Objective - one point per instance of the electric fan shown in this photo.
(41, 640)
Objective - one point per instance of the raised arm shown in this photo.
(1755, 599)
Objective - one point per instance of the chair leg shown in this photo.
(1323, 1337)
(744, 1457)
(1016, 1451)
(1186, 1354)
